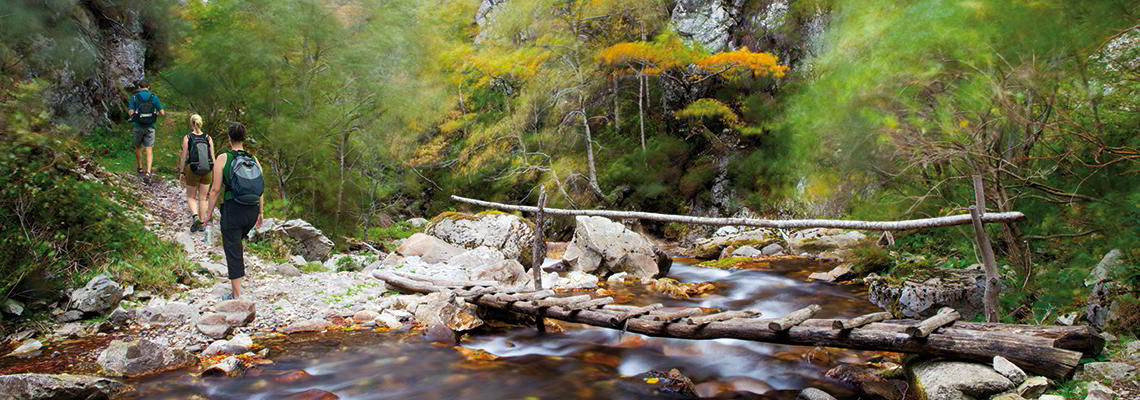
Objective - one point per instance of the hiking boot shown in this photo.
(196, 226)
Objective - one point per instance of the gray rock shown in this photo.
(214, 325)
(11, 306)
(1051, 397)
(240, 344)
(70, 316)
(417, 222)
(1111, 371)
(1107, 265)
(477, 257)
(747, 251)
(956, 380)
(70, 329)
(617, 279)
(445, 309)
(707, 22)
(285, 270)
(238, 312)
(27, 348)
(57, 387)
(1098, 391)
(509, 234)
(841, 272)
(814, 394)
(391, 321)
(303, 238)
(820, 240)
(1132, 349)
(215, 269)
(772, 249)
(298, 260)
(229, 366)
(392, 259)
(309, 325)
(440, 333)
(509, 272)
(921, 297)
(364, 316)
(429, 248)
(716, 245)
(187, 241)
(100, 295)
(139, 358)
(166, 314)
(1033, 387)
(602, 246)
(1009, 370)
(1067, 319)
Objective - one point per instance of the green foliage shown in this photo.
(273, 249)
(868, 258)
(63, 223)
(395, 231)
(312, 268)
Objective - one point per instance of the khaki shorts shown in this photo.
(192, 179)
(144, 137)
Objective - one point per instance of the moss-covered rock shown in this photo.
(713, 247)
(925, 291)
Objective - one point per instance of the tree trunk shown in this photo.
(641, 105)
(617, 104)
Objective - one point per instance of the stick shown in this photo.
(794, 318)
(922, 223)
(722, 316)
(860, 320)
(923, 329)
(989, 300)
(538, 253)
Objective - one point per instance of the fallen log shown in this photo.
(559, 301)
(595, 303)
(794, 318)
(861, 320)
(528, 296)
(628, 312)
(676, 315)
(945, 316)
(447, 283)
(722, 316)
(922, 223)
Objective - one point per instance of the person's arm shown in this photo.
(261, 201)
(182, 157)
(131, 105)
(158, 104)
(215, 187)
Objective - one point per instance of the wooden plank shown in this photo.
(585, 305)
(676, 315)
(722, 316)
(538, 253)
(794, 318)
(630, 312)
(989, 299)
(446, 283)
(922, 223)
(528, 296)
(945, 316)
(560, 301)
(861, 320)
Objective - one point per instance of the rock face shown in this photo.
(57, 387)
(956, 380)
(139, 358)
(707, 22)
(100, 295)
(428, 248)
(927, 291)
(302, 238)
(602, 246)
(509, 234)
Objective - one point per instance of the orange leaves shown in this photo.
(628, 53)
(763, 64)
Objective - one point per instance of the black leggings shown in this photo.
(237, 221)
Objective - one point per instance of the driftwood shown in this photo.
(1049, 351)
(923, 329)
(595, 303)
(523, 296)
(921, 223)
(560, 301)
(794, 318)
(676, 315)
(722, 316)
(447, 283)
(627, 312)
(860, 320)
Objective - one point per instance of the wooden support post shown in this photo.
(538, 255)
(794, 318)
(945, 316)
(989, 300)
(860, 320)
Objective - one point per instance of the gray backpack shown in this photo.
(198, 158)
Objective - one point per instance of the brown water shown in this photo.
(581, 363)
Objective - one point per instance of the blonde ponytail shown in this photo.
(196, 122)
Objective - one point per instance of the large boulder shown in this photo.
(446, 309)
(956, 380)
(821, 240)
(99, 296)
(57, 387)
(508, 272)
(140, 358)
(601, 246)
(925, 292)
(510, 234)
(428, 248)
(729, 239)
(303, 238)
(707, 22)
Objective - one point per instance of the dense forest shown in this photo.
(876, 110)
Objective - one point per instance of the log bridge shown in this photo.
(1051, 351)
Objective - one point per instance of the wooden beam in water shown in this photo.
(794, 318)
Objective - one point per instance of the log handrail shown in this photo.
(921, 223)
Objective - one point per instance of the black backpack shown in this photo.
(146, 112)
(245, 181)
(198, 147)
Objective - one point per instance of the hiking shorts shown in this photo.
(194, 180)
(237, 221)
(144, 136)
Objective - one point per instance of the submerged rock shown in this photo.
(28, 347)
(511, 235)
(601, 246)
(309, 325)
(924, 293)
(139, 358)
(57, 387)
(446, 309)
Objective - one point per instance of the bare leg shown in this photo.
(192, 199)
(236, 285)
(138, 157)
(149, 156)
(204, 201)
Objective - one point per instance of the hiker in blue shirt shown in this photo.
(144, 108)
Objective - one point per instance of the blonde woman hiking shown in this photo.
(196, 167)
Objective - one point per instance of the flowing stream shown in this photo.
(580, 363)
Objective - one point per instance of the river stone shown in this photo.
(440, 333)
(28, 347)
(601, 246)
(1033, 387)
(100, 295)
(1098, 391)
(389, 320)
(510, 273)
(956, 380)
(11, 306)
(1009, 370)
(302, 238)
(814, 394)
(446, 309)
(429, 248)
(364, 316)
(1007, 396)
(57, 387)
(713, 247)
(240, 344)
(841, 272)
(309, 325)
(927, 291)
(214, 325)
(229, 366)
(1112, 371)
(772, 249)
(139, 358)
(747, 251)
(238, 312)
(168, 313)
(510, 234)
(70, 316)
